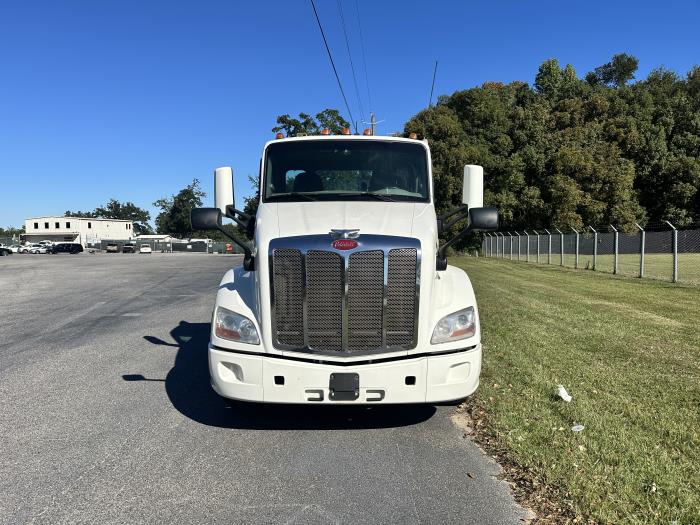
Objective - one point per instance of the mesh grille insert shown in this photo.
(289, 297)
(401, 297)
(324, 297)
(365, 300)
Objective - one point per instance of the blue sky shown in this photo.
(132, 100)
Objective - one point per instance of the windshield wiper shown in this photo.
(295, 195)
(377, 196)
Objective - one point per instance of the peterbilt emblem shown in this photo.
(344, 244)
(345, 234)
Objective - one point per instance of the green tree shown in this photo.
(616, 73)
(308, 125)
(174, 217)
(126, 211)
(117, 210)
(566, 152)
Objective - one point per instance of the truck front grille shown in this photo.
(327, 301)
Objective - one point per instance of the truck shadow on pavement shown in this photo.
(187, 385)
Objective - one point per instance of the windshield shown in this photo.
(346, 170)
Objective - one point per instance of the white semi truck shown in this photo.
(345, 295)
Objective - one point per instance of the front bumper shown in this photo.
(427, 379)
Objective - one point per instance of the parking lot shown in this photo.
(107, 416)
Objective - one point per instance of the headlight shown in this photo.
(235, 327)
(456, 326)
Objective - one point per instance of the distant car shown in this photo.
(112, 248)
(129, 248)
(15, 248)
(66, 247)
(5, 250)
(37, 248)
(145, 248)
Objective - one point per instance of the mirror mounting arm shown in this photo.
(463, 214)
(248, 259)
(444, 224)
(441, 263)
(242, 219)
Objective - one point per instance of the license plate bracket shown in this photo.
(344, 386)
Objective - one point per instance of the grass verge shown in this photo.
(628, 351)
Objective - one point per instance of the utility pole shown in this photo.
(373, 122)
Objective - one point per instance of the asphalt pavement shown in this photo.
(107, 416)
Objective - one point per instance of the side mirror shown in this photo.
(223, 188)
(205, 218)
(484, 219)
(473, 189)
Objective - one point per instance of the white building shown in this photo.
(76, 229)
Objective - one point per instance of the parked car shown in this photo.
(66, 247)
(129, 248)
(5, 250)
(14, 248)
(145, 248)
(112, 248)
(38, 248)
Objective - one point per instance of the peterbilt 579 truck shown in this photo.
(345, 295)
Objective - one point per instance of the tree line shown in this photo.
(570, 151)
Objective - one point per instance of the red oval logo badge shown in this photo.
(344, 244)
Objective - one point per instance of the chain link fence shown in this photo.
(659, 252)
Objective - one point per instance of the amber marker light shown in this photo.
(346, 131)
(367, 131)
(279, 136)
(412, 136)
(325, 131)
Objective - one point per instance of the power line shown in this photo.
(335, 71)
(430, 102)
(352, 66)
(364, 59)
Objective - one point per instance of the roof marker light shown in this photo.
(346, 131)
(279, 136)
(412, 136)
(325, 131)
(367, 131)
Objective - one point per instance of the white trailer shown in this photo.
(345, 295)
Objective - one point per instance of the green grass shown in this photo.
(628, 351)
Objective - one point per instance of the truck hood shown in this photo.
(370, 217)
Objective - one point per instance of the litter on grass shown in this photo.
(577, 428)
(562, 393)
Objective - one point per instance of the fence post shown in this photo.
(538, 245)
(510, 236)
(561, 247)
(576, 260)
(617, 235)
(674, 247)
(642, 241)
(516, 233)
(549, 246)
(527, 244)
(595, 247)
